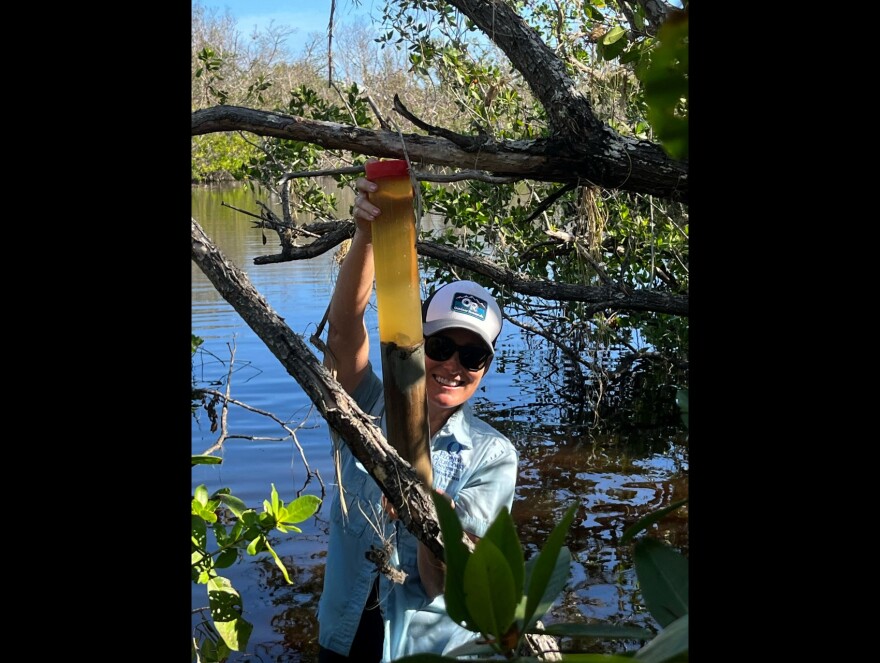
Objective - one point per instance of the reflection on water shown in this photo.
(615, 480)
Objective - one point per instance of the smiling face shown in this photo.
(448, 383)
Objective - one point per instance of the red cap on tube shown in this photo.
(388, 168)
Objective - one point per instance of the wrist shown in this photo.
(364, 229)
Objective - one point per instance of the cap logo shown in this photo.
(468, 304)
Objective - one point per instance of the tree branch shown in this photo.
(615, 162)
(396, 478)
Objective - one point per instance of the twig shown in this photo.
(382, 121)
(291, 432)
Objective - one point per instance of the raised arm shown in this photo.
(347, 338)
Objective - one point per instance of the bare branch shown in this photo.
(612, 162)
(291, 432)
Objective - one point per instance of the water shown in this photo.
(614, 480)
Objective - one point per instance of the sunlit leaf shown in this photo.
(275, 500)
(612, 43)
(278, 561)
(201, 495)
(613, 35)
(223, 600)
(199, 532)
(235, 633)
(205, 460)
(301, 508)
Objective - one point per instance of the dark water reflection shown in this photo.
(531, 395)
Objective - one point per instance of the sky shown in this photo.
(306, 16)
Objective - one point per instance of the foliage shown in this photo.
(267, 165)
(495, 593)
(451, 75)
(218, 157)
(227, 630)
(225, 519)
(665, 77)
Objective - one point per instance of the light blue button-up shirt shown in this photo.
(472, 463)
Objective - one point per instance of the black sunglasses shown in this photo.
(441, 348)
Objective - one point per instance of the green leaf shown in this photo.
(488, 590)
(612, 43)
(275, 501)
(614, 35)
(226, 558)
(223, 600)
(456, 556)
(225, 605)
(206, 460)
(205, 513)
(613, 50)
(650, 519)
(278, 561)
(663, 578)
(249, 517)
(302, 507)
(555, 585)
(665, 80)
(235, 633)
(199, 532)
(546, 566)
(502, 532)
(201, 495)
(234, 504)
(670, 644)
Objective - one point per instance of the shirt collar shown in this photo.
(458, 426)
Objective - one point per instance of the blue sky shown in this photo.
(306, 16)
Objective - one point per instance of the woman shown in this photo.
(361, 613)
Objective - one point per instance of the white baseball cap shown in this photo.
(466, 305)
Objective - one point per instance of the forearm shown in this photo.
(347, 337)
(432, 572)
